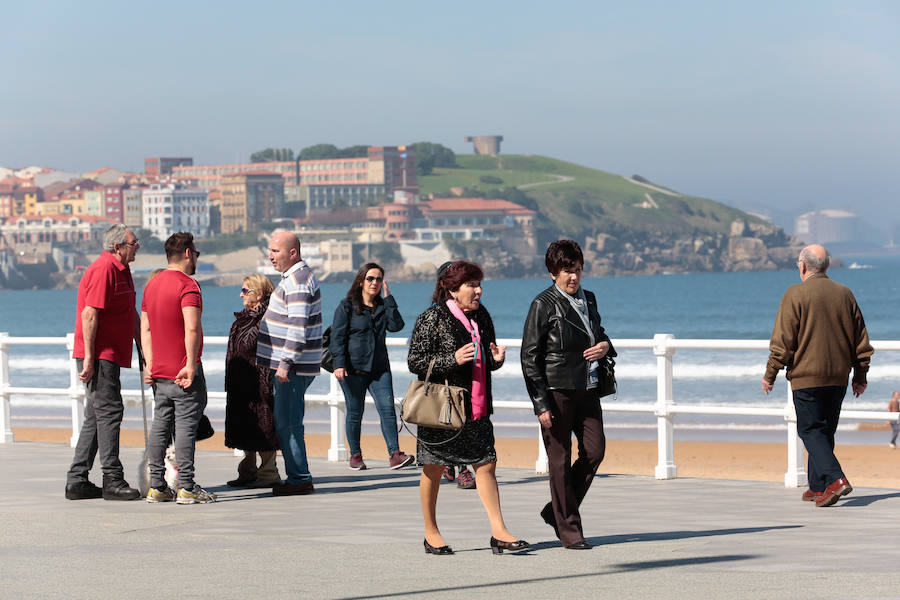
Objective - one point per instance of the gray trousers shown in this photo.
(102, 419)
(177, 410)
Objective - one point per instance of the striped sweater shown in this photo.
(290, 333)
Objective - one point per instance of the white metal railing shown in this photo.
(665, 408)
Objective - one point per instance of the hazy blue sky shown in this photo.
(768, 103)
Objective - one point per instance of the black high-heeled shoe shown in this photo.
(497, 547)
(443, 550)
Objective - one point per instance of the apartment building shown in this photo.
(168, 208)
(248, 199)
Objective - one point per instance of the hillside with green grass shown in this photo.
(577, 200)
(625, 224)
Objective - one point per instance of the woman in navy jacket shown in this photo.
(361, 322)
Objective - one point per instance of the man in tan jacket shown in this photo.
(819, 336)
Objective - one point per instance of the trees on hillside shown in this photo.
(272, 155)
(321, 151)
(430, 155)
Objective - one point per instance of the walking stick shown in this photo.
(144, 467)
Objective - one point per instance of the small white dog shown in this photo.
(171, 471)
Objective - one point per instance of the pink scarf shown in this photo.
(479, 368)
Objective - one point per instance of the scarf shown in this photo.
(579, 303)
(479, 368)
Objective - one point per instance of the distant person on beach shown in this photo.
(290, 345)
(172, 336)
(249, 391)
(455, 338)
(562, 343)
(358, 333)
(106, 322)
(894, 406)
(819, 336)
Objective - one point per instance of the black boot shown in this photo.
(82, 490)
(116, 488)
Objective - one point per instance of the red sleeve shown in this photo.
(98, 289)
(190, 295)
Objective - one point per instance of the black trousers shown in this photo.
(818, 410)
(575, 412)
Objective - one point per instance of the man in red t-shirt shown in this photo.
(105, 325)
(172, 338)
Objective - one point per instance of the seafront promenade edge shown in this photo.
(359, 536)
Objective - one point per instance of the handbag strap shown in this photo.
(403, 425)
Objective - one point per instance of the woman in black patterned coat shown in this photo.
(458, 334)
(249, 422)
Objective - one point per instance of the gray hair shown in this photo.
(115, 235)
(814, 263)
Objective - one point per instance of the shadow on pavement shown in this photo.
(614, 569)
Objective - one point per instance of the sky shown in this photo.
(773, 106)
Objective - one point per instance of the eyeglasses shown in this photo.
(245, 291)
(371, 278)
(134, 244)
(196, 253)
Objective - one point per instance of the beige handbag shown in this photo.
(437, 405)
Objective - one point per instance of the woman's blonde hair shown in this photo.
(261, 284)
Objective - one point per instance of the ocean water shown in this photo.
(693, 305)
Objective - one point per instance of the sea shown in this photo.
(687, 305)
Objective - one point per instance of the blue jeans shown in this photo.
(382, 387)
(289, 409)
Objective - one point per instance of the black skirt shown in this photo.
(473, 446)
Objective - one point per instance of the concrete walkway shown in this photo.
(360, 536)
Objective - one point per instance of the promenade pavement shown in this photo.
(360, 536)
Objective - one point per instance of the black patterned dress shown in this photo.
(438, 334)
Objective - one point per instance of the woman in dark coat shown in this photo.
(249, 423)
(563, 344)
(361, 322)
(458, 334)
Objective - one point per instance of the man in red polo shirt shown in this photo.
(172, 333)
(105, 325)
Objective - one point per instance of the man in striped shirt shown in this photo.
(290, 344)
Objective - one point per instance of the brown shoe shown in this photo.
(400, 459)
(837, 488)
(292, 489)
(810, 496)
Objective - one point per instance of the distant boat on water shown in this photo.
(856, 265)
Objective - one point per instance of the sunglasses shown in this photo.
(371, 278)
(245, 291)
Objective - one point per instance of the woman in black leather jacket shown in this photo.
(563, 344)
(361, 322)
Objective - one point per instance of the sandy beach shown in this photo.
(868, 466)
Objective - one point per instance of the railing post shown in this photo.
(542, 465)
(6, 434)
(338, 451)
(76, 392)
(665, 433)
(795, 476)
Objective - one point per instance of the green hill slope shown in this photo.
(625, 224)
(577, 200)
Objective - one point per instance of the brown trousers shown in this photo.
(578, 412)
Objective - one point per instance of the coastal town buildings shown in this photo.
(248, 199)
(457, 218)
(828, 226)
(324, 184)
(172, 207)
(34, 230)
(164, 165)
(132, 199)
